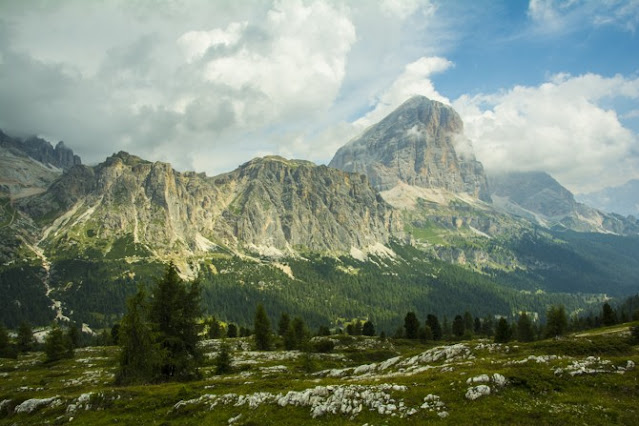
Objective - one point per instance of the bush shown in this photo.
(323, 346)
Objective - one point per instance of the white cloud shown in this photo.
(413, 81)
(559, 127)
(405, 8)
(558, 16)
(196, 43)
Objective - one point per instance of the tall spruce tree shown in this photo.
(139, 356)
(262, 327)
(283, 324)
(159, 338)
(556, 321)
(411, 325)
(6, 348)
(433, 322)
(175, 310)
(503, 331)
(25, 340)
(525, 331)
(608, 315)
(458, 326)
(368, 329)
(57, 345)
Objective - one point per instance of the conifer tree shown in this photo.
(25, 338)
(608, 315)
(139, 356)
(433, 322)
(556, 321)
(231, 330)
(524, 328)
(57, 345)
(368, 329)
(283, 324)
(223, 359)
(6, 348)
(174, 312)
(262, 327)
(503, 331)
(411, 325)
(458, 326)
(468, 322)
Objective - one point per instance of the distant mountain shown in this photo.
(28, 167)
(42, 151)
(421, 144)
(622, 199)
(538, 197)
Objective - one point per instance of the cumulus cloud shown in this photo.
(415, 80)
(560, 127)
(555, 16)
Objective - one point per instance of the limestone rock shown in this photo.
(422, 144)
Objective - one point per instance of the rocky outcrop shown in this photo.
(41, 150)
(422, 144)
(269, 206)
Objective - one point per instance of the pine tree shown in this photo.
(477, 325)
(214, 328)
(174, 312)
(139, 356)
(25, 338)
(458, 326)
(524, 328)
(57, 345)
(608, 315)
(74, 335)
(6, 348)
(262, 327)
(503, 332)
(231, 331)
(426, 334)
(433, 322)
(368, 329)
(556, 321)
(411, 325)
(283, 324)
(223, 359)
(468, 322)
(115, 333)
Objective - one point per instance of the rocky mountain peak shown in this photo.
(421, 143)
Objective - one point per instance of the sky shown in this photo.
(543, 85)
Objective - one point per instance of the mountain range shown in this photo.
(623, 199)
(403, 218)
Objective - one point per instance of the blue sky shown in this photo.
(206, 85)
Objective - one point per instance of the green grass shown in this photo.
(535, 394)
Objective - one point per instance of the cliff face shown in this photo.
(421, 144)
(270, 206)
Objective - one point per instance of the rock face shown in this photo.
(42, 151)
(269, 206)
(422, 144)
(21, 174)
(534, 191)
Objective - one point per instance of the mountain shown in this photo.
(268, 206)
(539, 198)
(421, 144)
(623, 199)
(29, 167)
(310, 240)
